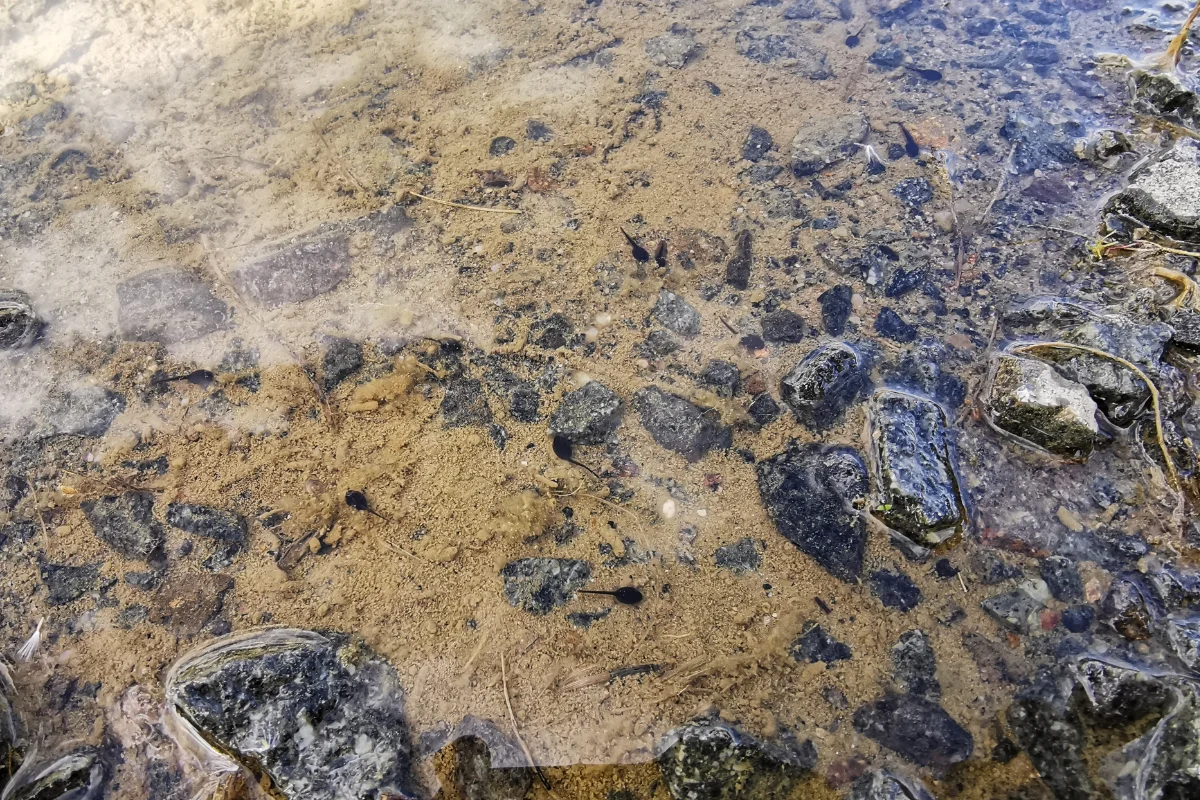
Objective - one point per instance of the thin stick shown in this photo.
(1060, 230)
(342, 167)
(463, 205)
(513, 719)
(1012, 151)
(1154, 398)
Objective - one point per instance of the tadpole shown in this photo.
(911, 149)
(200, 377)
(358, 501)
(639, 253)
(564, 448)
(628, 595)
(660, 253)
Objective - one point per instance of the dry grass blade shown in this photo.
(512, 718)
(1189, 292)
(1169, 58)
(411, 193)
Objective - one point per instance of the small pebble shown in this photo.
(603, 319)
(944, 220)
(668, 509)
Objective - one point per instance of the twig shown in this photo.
(1060, 230)
(732, 329)
(1154, 398)
(342, 167)
(513, 719)
(1012, 151)
(962, 583)
(460, 205)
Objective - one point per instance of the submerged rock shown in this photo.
(1062, 578)
(20, 325)
(895, 590)
(343, 357)
(815, 644)
(488, 764)
(126, 523)
(884, 785)
(78, 775)
(918, 729)
(676, 314)
(297, 273)
(211, 523)
(588, 415)
(712, 760)
(1048, 728)
(914, 665)
(764, 410)
(1165, 196)
(539, 585)
(721, 377)
(66, 583)
(836, 305)
(917, 490)
(741, 556)
(319, 716)
(1029, 399)
(87, 411)
(810, 492)
(824, 384)
(758, 143)
(825, 140)
(168, 305)
(783, 326)
(1016, 610)
(465, 403)
(674, 49)
(679, 425)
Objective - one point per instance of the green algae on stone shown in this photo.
(1028, 399)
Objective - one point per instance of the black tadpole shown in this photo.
(565, 449)
(628, 595)
(639, 253)
(911, 149)
(358, 501)
(199, 377)
(660, 253)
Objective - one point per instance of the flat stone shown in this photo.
(676, 314)
(757, 44)
(1117, 390)
(918, 729)
(895, 590)
(1062, 578)
(1039, 144)
(824, 384)
(211, 523)
(1165, 195)
(737, 269)
(1031, 400)
(296, 273)
(588, 415)
(168, 305)
(320, 713)
(126, 523)
(87, 411)
(675, 48)
(1014, 610)
(824, 140)
(809, 492)
(539, 585)
(742, 556)
(679, 425)
(835, 308)
(815, 644)
(722, 378)
(758, 143)
(890, 325)
(186, 604)
(913, 192)
(343, 357)
(914, 666)
(764, 410)
(713, 760)
(66, 583)
(783, 326)
(916, 488)
(465, 403)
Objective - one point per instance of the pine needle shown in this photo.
(411, 193)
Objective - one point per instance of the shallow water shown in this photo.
(393, 234)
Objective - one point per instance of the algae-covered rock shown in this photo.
(712, 760)
(824, 384)
(1029, 399)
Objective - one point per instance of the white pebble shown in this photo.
(581, 379)
(701, 512)
(603, 319)
(591, 334)
(668, 509)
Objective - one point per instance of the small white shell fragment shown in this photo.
(591, 334)
(668, 509)
(603, 319)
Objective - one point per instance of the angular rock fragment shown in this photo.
(783, 326)
(914, 665)
(211, 523)
(740, 557)
(1048, 728)
(918, 729)
(187, 604)
(1015, 610)
(836, 305)
(679, 425)
(66, 583)
(126, 523)
(758, 143)
(1165, 195)
(722, 378)
(917, 491)
(712, 760)
(895, 590)
(674, 49)
(343, 357)
(168, 305)
(316, 716)
(465, 403)
(824, 384)
(676, 314)
(825, 140)
(737, 269)
(1062, 578)
(1030, 400)
(810, 492)
(539, 585)
(815, 644)
(588, 415)
(764, 409)
(296, 273)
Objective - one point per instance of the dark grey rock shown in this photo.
(584, 619)
(889, 57)
(884, 785)
(989, 568)
(1078, 619)
(1163, 93)
(825, 140)
(87, 411)
(1040, 54)
(1186, 327)
(914, 666)
(815, 644)
(824, 384)
(77, 775)
(343, 357)
(901, 281)
(722, 377)
(296, 273)
(913, 192)
(740, 557)
(20, 325)
(588, 415)
(465, 403)
(764, 410)
(211, 523)
(675, 48)
(1048, 728)
(524, 401)
(737, 269)
(889, 325)
(924, 369)
(1039, 145)
(539, 585)
(1062, 578)
(538, 131)
(895, 590)
(1015, 610)
(676, 314)
(66, 583)
(489, 764)
(553, 332)
(916, 728)
(810, 492)
(783, 326)
(763, 172)
(501, 145)
(168, 305)
(916, 488)
(712, 760)
(320, 713)
(126, 523)
(757, 44)
(659, 344)
(679, 425)
(835, 308)
(757, 143)
(1029, 399)
(146, 581)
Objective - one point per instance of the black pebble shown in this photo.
(944, 569)
(501, 145)
(889, 325)
(835, 308)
